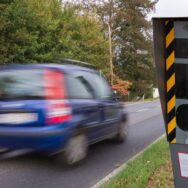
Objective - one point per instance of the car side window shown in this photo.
(86, 84)
(78, 88)
(102, 90)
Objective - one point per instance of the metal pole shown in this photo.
(111, 55)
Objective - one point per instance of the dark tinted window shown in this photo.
(181, 46)
(78, 87)
(182, 118)
(181, 80)
(21, 84)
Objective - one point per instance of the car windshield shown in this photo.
(21, 84)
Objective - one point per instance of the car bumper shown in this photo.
(47, 139)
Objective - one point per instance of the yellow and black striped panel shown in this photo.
(170, 81)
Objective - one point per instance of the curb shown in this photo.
(117, 170)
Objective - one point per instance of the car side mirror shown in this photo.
(116, 95)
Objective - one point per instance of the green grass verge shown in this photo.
(137, 172)
(162, 178)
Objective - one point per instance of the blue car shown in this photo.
(57, 109)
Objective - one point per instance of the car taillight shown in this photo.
(54, 85)
(58, 112)
(58, 108)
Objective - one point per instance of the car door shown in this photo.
(83, 102)
(108, 105)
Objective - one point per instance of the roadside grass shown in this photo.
(162, 178)
(139, 172)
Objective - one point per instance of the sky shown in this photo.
(171, 8)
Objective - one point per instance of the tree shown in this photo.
(83, 38)
(106, 11)
(42, 31)
(127, 28)
(134, 61)
(3, 29)
(27, 31)
(121, 86)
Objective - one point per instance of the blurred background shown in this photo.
(115, 36)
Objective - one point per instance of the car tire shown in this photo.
(122, 132)
(76, 149)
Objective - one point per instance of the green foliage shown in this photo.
(149, 94)
(131, 39)
(135, 61)
(27, 31)
(84, 39)
(46, 30)
(42, 31)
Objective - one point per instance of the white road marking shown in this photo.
(142, 110)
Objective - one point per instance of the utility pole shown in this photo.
(110, 54)
(110, 41)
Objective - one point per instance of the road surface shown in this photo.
(31, 171)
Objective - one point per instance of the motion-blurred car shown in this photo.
(57, 109)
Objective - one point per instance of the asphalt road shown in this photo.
(31, 171)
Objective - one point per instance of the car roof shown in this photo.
(64, 67)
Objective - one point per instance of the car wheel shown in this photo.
(76, 149)
(122, 132)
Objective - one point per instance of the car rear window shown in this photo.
(21, 84)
